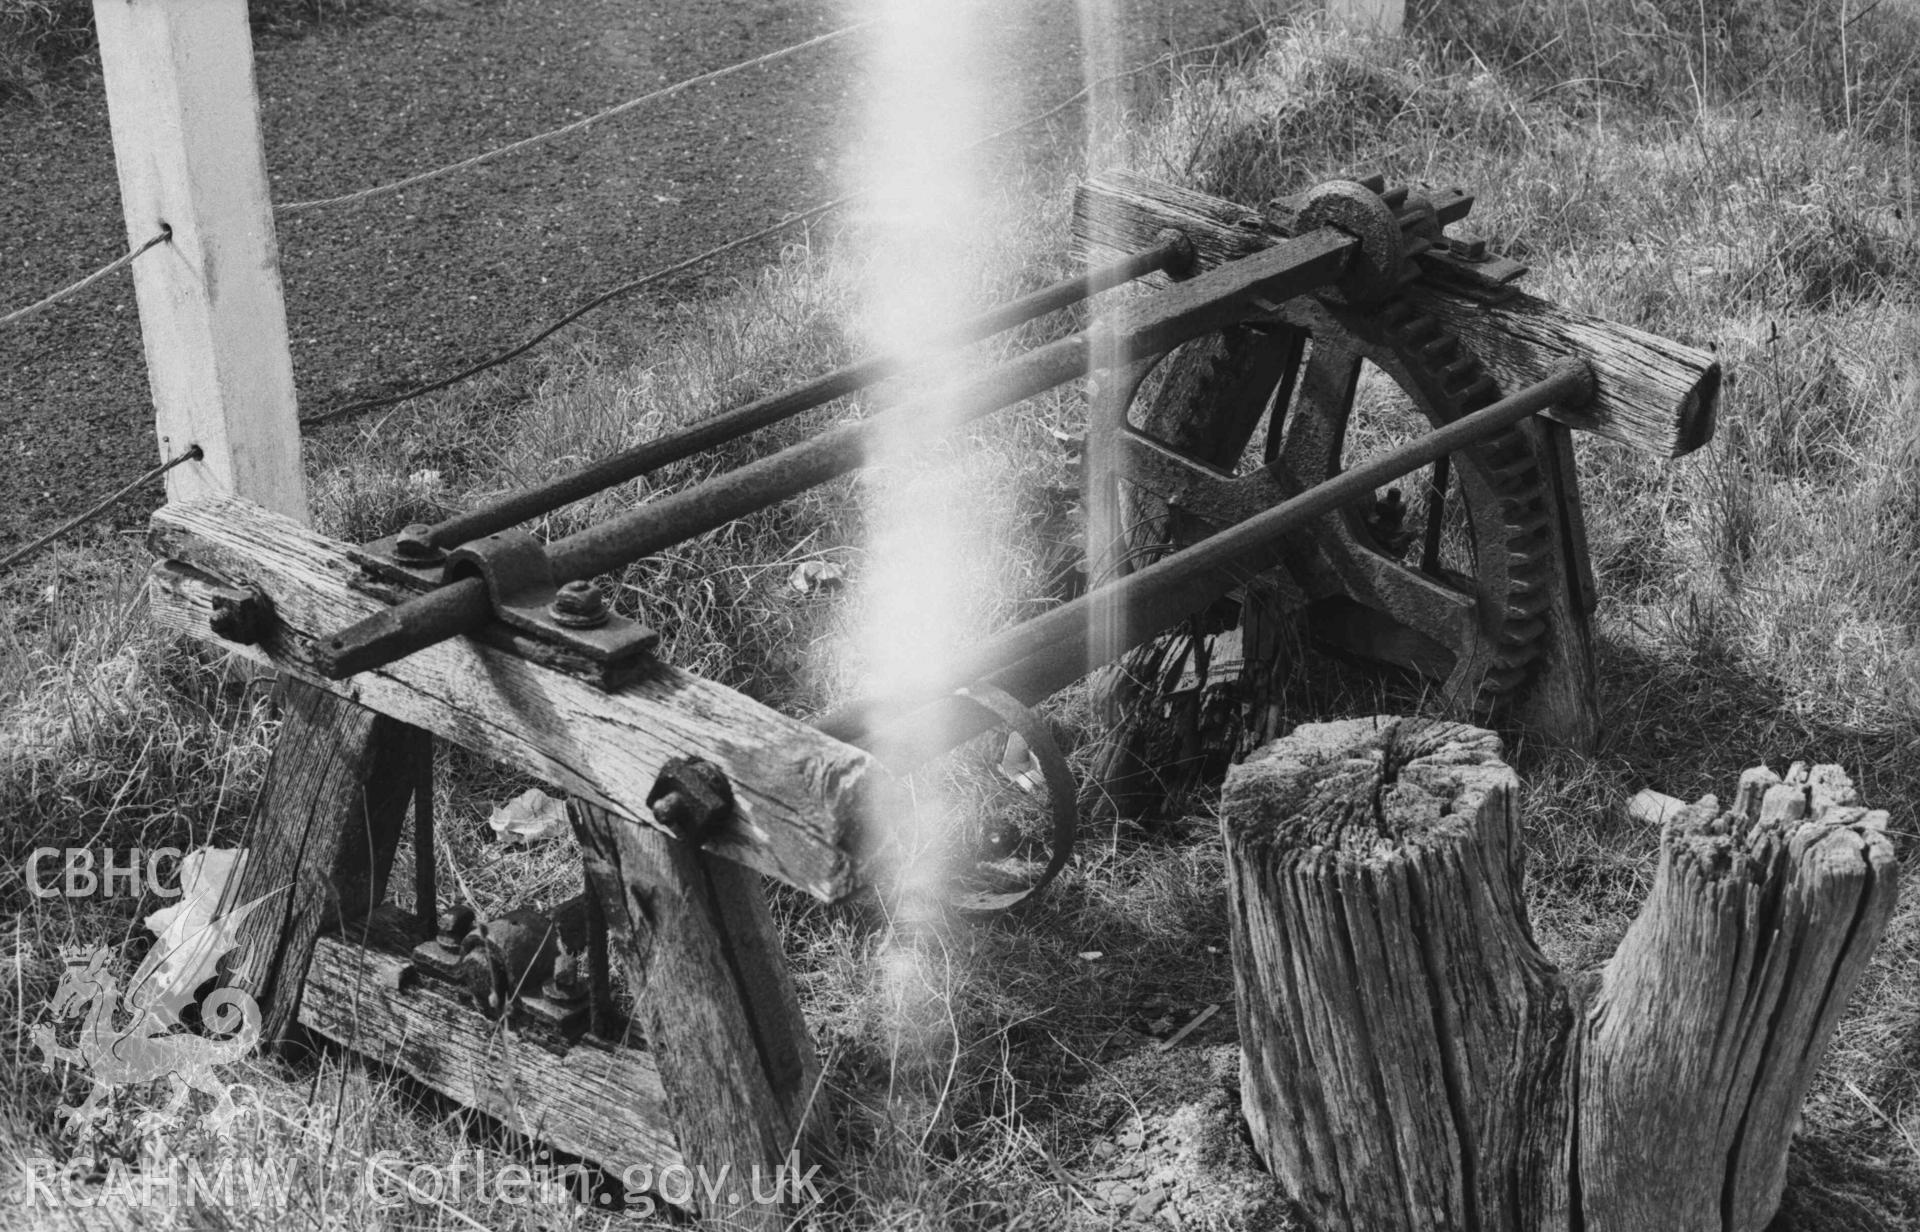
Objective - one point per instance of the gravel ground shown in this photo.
(386, 294)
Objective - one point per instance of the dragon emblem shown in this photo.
(149, 1042)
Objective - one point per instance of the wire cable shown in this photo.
(624, 288)
(1122, 74)
(355, 409)
(192, 453)
(68, 292)
(655, 96)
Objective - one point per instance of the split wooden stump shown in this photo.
(1412, 1061)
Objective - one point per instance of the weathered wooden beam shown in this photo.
(715, 1001)
(1650, 392)
(598, 1099)
(798, 794)
(321, 840)
(1413, 1062)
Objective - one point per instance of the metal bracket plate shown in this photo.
(1467, 268)
(384, 563)
(519, 580)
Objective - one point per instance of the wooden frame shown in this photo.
(730, 1071)
(352, 758)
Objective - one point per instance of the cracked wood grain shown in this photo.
(1412, 1061)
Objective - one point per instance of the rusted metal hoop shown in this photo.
(1061, 793)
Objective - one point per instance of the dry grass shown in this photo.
(1762, 600)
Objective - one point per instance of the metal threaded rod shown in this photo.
(1177, 314)
(1045, 654)
(1172, 252)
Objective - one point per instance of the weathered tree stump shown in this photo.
(1412, 1061)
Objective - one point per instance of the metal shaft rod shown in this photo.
(1169, 253)
(426, 895)
(1175, 315)
(1044, 655)
(767, 481)
(461, 606)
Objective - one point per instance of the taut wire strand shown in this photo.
(624, 288)
(68, 292)
(190, 454)
(355, 409)
(654, 96)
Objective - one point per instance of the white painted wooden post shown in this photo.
(1367, 16)
(186, 138)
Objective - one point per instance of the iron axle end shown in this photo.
(1177, 253)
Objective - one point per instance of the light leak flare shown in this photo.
(922, 230)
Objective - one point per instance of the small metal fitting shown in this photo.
(691, 797)
(1467, 248)
(454, 927)
(244, 617)
(579, 605)
(414, 545)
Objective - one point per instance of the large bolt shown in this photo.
(579, 605)
(414, 545)
(245, 619)
(691, 797)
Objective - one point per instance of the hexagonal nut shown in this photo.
(414, 545)
(579, 605)
(691, 796)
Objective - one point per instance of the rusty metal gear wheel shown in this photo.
(1451, 585)
(1473, 623)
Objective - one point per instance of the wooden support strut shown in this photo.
(322, 844)
(715, 1001)
(728, 1071)
(1412, 1061)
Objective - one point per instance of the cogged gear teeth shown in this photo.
(1516, 555)
(1513, 472)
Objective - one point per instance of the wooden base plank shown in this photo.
(599, 1100)
(799, 795)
